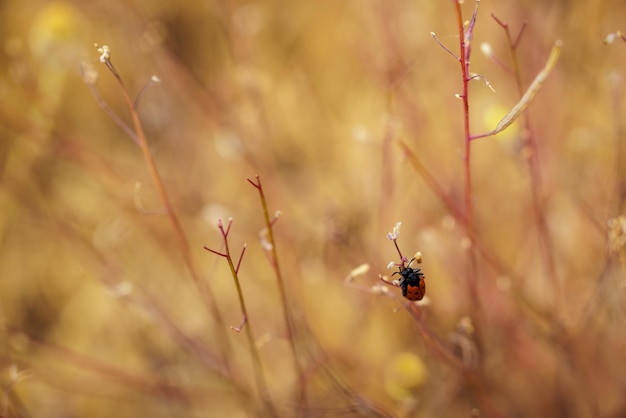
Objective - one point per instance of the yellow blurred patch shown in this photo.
(492, 117)
(52, 28)
(405, 374)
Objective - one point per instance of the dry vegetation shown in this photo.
(346, 110)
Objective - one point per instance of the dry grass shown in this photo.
(347, 112)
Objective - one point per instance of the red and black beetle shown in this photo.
(412, 282)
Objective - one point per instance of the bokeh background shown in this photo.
(99, 311)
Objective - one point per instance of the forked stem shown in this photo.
(139, 137)
(259, 376)
(273, 256)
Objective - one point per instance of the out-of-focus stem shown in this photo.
(534, 169)
(269, 225)
(140, 138)
(463, 56)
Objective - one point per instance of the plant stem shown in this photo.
(256, 358)
(288, 317)
(156, 179)
(157, 182)
(259, 376)
(464, 62)
(536, 180)
(465, 38)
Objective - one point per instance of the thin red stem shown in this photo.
(256, 358)
(395, 242)
(203, 288)
(215, 252)
(463, 59)
(273, 257)
(465, 38)
(243, 250)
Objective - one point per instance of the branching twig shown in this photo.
(138, 135)
(256, 358)
(545, 240)
(273, 257)
(465, 39)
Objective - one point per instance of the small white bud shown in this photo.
(396, 232)
(360, 270)
(611, 37)
(486, 49)
(105, 52)
(264, 239)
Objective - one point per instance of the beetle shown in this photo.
(412, 282)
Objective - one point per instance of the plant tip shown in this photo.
(611, 37)
(104, 51)
(266, 244)
(465, 325)
(486, 49)
(360, 270)
(396, 232)
(88, 73)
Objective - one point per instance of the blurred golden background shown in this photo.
(347, 112)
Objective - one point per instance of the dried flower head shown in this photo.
(358, 271)
(396, 232)
(264, 238)
(611, 37)
(105, 53)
